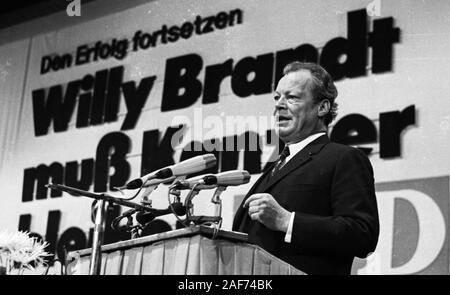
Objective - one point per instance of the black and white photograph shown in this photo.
(234, 141)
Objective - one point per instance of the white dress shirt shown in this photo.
(294, 148)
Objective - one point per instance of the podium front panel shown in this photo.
(184, 254)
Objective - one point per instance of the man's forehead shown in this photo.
(293, 81)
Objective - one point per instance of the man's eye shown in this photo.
(276, 97)
(293, 98)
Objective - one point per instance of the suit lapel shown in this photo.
(268, 169)
(298, 160)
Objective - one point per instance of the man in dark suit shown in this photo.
(315, 207)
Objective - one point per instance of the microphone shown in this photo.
(192, 165)
(209, 181)
(189, 183)
(228, 178)
(153, 182)
(146, 217)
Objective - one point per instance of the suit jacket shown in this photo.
(330, 187)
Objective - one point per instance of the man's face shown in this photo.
(295, 110)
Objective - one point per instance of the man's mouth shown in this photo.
(282, 118)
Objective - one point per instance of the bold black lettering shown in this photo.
(51, 234)
(41, 175)
(214, 75)
(54, 107)
(29, 178)
(221, 20)
(174, 34)
(84, 102)
(112, 236)
(186, 30)
(24, 222)
(98, 98)
(157, 153)
(331, 53)
(136, 37)
(84, 110)
(135, 100)
(66, 61)
(229, 160)
(120, 51)
(82, 55)
(146, 40)
(252, 152)
(156, 34)
(46, 63)
(84, 181)
(357, 43)
(262, 67)
(230, 155)
(208, 25)
(235, 16)
(71, 239)
(198, 23)
(111, 152)
(304, 53)
(392, 124)
(354, 129)
(113, 95)
(181, 73)
(381, 40)
(164, 34)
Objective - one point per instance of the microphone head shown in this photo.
(229, 178)
(164, 173)
(134, 184)
(210, 179)
(193, 165)
(138, 182)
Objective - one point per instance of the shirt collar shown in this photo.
(294, 148)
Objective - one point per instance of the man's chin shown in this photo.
(282, 132)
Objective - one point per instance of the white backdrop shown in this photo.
(421, 65)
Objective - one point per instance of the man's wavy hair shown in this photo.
(322, 85)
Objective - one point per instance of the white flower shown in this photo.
(20, 249)
(15, 241)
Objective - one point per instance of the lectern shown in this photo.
(198, 250)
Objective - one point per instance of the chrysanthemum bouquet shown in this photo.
(19, 251)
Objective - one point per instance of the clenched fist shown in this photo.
(264, 208)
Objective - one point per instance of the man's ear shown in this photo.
(324, 108)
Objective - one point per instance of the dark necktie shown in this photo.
(281, 160)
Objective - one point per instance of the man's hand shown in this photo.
(264, 208)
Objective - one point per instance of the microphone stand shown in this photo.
(100, 218)
(99, 230)
(192, 219)
(217, 201)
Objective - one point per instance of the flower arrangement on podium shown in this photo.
(20, 252)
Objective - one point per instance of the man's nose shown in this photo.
(281, 102)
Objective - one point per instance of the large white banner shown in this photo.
(98, 104)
